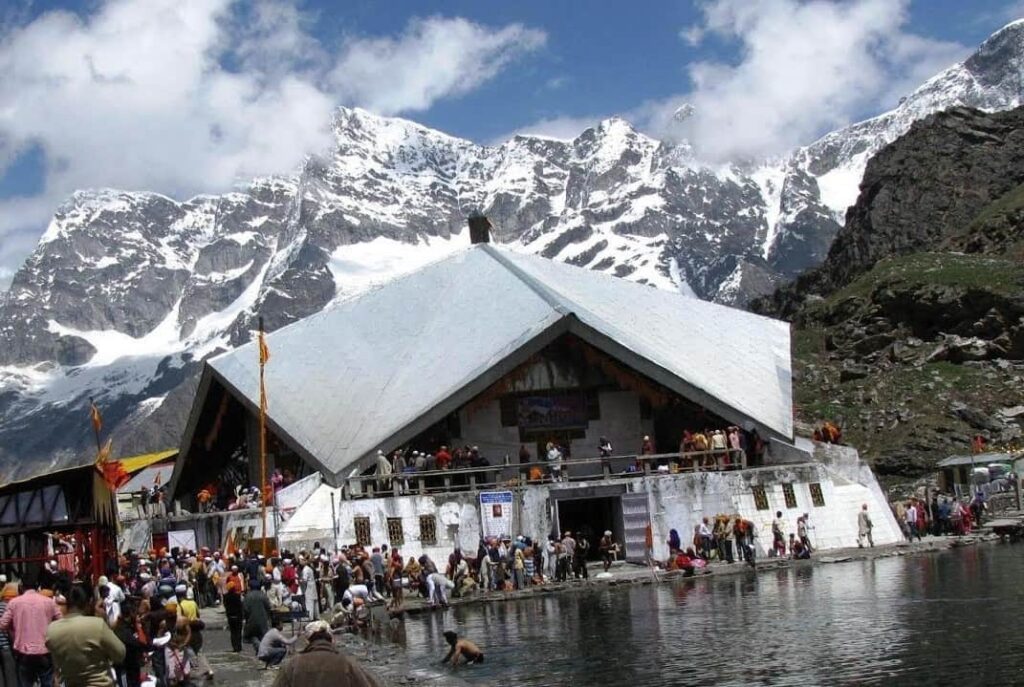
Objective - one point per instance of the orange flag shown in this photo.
(115, 475)
(112, 471)
(95, 417)
(264, 350)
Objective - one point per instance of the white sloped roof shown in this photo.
(374, 371)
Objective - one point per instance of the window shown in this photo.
(760, 498)
(428, 529)
(817, 498)
(787, 491)
(395, 534)
(362, 525)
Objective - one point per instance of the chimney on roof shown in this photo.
(479, 228)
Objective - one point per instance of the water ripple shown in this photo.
(906, 620)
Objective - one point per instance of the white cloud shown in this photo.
(556, 83)
(187, 96)
(693, 35)
(805, 67)
(434, 58)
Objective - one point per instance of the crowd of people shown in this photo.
(228, 494)
(144, 619)
(409, 462)
(499, 564)
(710, 449)
(944, 515)
(732, 538)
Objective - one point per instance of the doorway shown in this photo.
(591, 516)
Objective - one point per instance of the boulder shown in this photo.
(870, 344)
(852, 370)
(977, 419)
(903, 352)
(959, 349)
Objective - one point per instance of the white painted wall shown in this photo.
(675, 501)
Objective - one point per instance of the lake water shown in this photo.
(952, 618)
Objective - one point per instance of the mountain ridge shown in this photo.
(129, 291)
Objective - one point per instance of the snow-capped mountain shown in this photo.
(126, 292)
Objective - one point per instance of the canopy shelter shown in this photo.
(375, 371)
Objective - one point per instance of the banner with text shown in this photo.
(496, 513)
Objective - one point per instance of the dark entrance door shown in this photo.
(591, 516)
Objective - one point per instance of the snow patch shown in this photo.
(228, 275)
(112, 345)
(361, 266)
(243, 238)
(676, 275)
(839, 187)
(104, 262)
(770, 179)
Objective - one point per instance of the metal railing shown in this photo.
(508, 474)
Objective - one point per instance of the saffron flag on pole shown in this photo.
(264, 351)
(95, 417)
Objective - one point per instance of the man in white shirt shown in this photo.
(911, 519)
(308, 583)
(704, 532)
(356, 591)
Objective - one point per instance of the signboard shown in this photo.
(183, 539)
(496, 513)
(552, 412)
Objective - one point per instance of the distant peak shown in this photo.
(1015, 25)
(1007, 37)
(385, 131)
(615, 122)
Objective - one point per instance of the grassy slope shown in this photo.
(906, 410)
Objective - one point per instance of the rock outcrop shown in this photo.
(911, 334)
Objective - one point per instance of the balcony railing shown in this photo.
(508, 475)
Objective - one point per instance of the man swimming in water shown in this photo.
(461, 647)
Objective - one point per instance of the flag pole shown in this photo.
(263, 434)
(97, 423)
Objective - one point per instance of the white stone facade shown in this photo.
(676, 501)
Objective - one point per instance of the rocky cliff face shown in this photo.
(127, 292)
(916, 194)
(911, 334)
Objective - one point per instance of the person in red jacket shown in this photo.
(444, 458)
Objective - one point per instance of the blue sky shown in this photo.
(187, 96)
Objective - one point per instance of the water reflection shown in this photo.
(915, 620)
